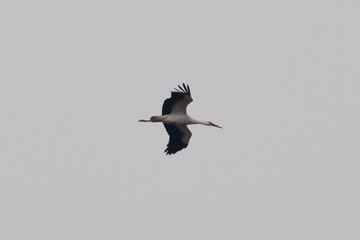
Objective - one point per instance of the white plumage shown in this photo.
(175, 119)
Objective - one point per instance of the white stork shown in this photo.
(175, 119)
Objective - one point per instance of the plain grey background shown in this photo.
(281, 77)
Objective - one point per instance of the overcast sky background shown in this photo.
(281, 77)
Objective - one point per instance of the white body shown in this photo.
(175, 119)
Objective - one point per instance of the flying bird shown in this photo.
(175, 119)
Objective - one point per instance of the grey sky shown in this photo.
(281, 77)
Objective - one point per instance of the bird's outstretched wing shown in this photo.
(178, 101)
(179, 137)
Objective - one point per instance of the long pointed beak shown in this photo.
(214, 125)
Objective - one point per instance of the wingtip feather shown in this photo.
(184, 88)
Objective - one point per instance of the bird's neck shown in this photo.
(194, 121)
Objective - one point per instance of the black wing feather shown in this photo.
(175, 144)
(175, 96)
(182, 89)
